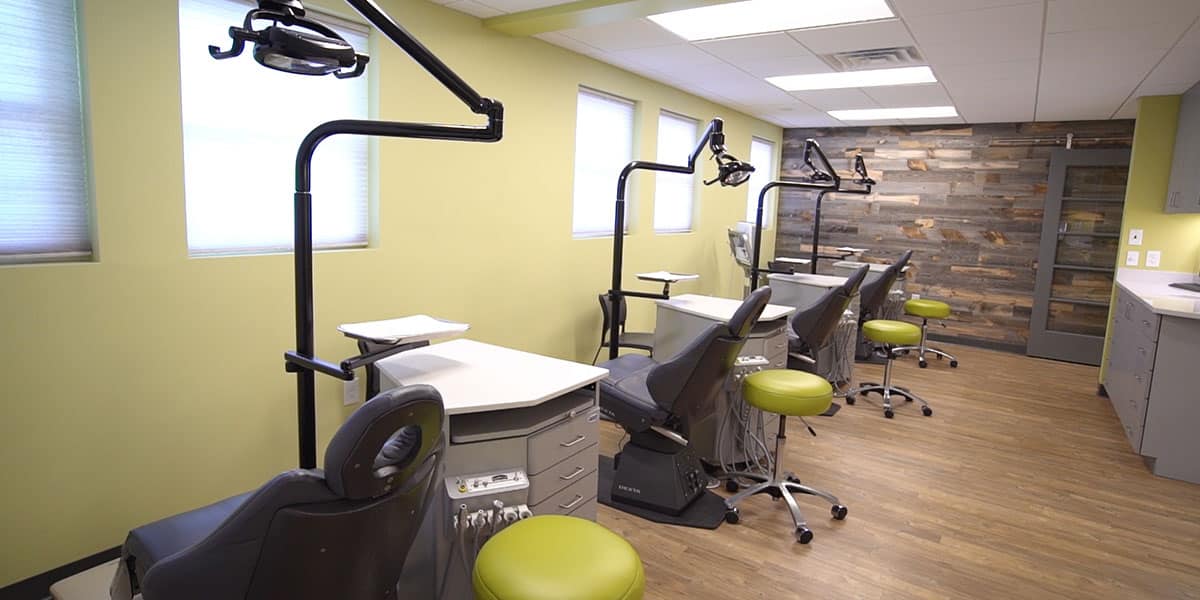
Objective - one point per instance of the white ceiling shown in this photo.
(995, 60)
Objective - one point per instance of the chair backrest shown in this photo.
(308, 535)
(606, 312)
(814, 324)
(874, 293)
(687, 384)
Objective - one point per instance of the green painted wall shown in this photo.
(148, 383)
(1176, 236)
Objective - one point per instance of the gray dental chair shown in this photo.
(655, 402)
(342, 533)
(872, 297)
(812, 325)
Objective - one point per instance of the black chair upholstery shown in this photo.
(641, 392)
(307, 534)
(874, 293)
(812, 325)
(629, 339)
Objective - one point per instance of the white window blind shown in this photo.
(674, 193)
(242, 125)
(766, 168)
(603, 146)
(44, 211)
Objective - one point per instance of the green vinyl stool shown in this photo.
(893, 335)
(787, 393)
(927, 309)
(556, 557)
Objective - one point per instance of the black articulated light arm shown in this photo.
(731, 172)
(824, 179)
(320, 51)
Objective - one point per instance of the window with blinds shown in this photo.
(674, 193)
(766, 170)
(44, 212)
(242, 125)
(603, 146)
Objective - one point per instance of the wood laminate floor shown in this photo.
(1021, 485)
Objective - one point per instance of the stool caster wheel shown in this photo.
(925, 410)
(954, 364)
(838, 511)
(850, 399)
(803, 535)
(888, 413)
(732, 516)
(921, 363)
(732, 486)
(792, 478)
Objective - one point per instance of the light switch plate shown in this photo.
(350, 392)
(1132, 257)
(1135, 237)
(1153, 258)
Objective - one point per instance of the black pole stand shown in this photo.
(714, 137)
(303, 361)
(825, 180)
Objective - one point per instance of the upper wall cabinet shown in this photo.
(1183, 196)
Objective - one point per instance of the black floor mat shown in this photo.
(707, 512)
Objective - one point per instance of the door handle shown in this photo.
(573, 475)
(571, 504)
(573, 442)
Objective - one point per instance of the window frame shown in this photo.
(692, 204)
(607, 184)
(752, 192)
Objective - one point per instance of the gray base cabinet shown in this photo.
(1151, 382)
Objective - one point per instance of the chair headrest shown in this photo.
(384, 442)
(850, 287)
(747, 314)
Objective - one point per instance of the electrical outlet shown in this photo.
(1135, 237)
(350, 392)
(1132, 258)
(1153, 258)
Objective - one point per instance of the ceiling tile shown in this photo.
(991, 101)
(1026, 69)
(845, 99)
(895, 96)
(861, 36)
(754, 46)
(1181, 66)
(680, 59)
(474, 8)
(1127, 110)
(571, 44)
(1082, 15)
(1165, 89)
(623, 35)
(1012, 32)
(771, 66)
(511, 6)
(947, 121)
(916, 8)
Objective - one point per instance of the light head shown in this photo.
(293, 43)
(731, 172)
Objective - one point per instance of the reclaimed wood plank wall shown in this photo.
(968, 199)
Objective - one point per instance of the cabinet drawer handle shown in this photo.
(573, 475)
(1145, 323)
(573, 442)
(571, 504)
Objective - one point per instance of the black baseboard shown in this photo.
(978, 343)
(38, 586)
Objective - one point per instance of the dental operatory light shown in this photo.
(731, 172)
(293, 43)
(764, 16)
(853, 79)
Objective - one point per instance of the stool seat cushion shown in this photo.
(928, 309)
(893, 333)
(555, 557)
(787, 392)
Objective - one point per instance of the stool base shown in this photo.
(924, 349)
(887, 390)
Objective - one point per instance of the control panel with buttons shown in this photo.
(498, 482)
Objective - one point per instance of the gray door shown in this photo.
(1077, 257)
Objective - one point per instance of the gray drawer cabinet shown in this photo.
(1150, 383)
(1183, 193)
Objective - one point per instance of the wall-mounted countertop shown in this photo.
(1153, 289)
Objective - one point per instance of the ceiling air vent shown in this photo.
(875, 58)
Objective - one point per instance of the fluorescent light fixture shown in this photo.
(854, 79)
(879, 114)
(765, 16)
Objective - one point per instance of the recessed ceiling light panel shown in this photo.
(854, 79)
(879, 114)
(765, 16)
